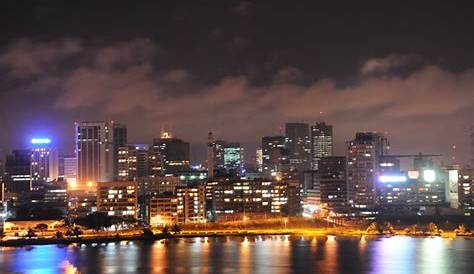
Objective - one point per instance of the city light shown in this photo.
(392, 178)
(429, 175)
(413, 174)
(40, 141)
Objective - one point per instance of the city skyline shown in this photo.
(398, 79)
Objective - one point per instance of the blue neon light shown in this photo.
(40, 141)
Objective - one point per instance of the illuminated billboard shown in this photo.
(393, 178)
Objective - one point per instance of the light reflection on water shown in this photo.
(260, 254)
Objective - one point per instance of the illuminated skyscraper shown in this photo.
(210, 155)
(321, 143)
(233, 157)
(363, 155)
(224, 156)
(174, 152)
(96, 151)
(133, 162)
(298, 144)
(44, 162)
(274, 155)
(17, 176)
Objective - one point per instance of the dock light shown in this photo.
(40, 141)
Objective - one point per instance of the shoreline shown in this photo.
(197, 234)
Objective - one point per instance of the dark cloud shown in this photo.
(26, 57)
(241, 69)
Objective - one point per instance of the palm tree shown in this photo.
(388, 229)
(433, 229)
(59, 235)
(372, 228)
(76, 232)
(30, 234)
(176, 229)
(165, 230)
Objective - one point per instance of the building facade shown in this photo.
(298, 145)
(363, 155)
(96, 151)
(119, 199)
(321, 143)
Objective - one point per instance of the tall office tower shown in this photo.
(219, 154)
(298, 144)
(17, 171)
(274, 154)
(321, 143)
(96, 151)
(363, 156)
(70, 171)
(331, 181)
(120, 140)
(132, 162)
(233, 157)
(210, 155)
(44, 162)
(175, 153)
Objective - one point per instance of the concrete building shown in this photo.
(321, 143)
(363, 155)
(119, 199)
(163, 210)
(191, 204)
(174, 152)
(133, 162)
(331, 179)
(274, 155)
(44, 163)
(298, 145)
(96, 150)
(17, 176)
(231, 199)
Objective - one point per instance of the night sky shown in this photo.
(240, 68)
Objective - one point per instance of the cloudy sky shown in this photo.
(240, 68)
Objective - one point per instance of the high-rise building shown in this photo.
(321, 143)
(298, 144)
(70, 170)
(466, 190)
(44, 162)
(17, 176)
(233, 157)
(331, 179)
(274, 155)
(175, 153)
(211, 160)
(133, 162)
(96, 150)
(363, 155)
(120, 140)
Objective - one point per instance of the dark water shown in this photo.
(272, 254)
